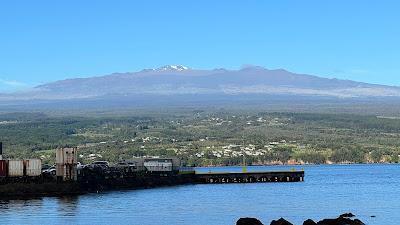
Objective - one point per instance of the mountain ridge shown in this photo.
(183, 80)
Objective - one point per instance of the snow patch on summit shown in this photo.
(172, 68)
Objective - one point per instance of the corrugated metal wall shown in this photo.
(15, 168)
(67, 156)
(33, 167)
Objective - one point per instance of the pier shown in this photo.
(26, 177)
(250, 177)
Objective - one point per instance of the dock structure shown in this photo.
(250, 177)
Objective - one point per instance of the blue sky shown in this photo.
(44, 41)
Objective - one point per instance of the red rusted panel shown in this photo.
(3, 168)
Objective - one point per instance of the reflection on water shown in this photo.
(21, 204)
(68, 205)
(365, 190)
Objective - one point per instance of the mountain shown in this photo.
(178, 80)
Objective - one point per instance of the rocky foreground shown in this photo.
(344, 219)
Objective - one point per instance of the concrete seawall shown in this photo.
(96, 184)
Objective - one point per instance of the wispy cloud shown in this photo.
(7, 86)
(13, 83)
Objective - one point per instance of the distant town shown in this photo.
(206, 137)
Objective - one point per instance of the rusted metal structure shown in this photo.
(66, 164)
(16, 168)
(33, 167)
(3, 168)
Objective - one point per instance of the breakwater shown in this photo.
(94, 181)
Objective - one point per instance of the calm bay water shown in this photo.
(328, 191)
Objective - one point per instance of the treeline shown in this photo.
(316, 138)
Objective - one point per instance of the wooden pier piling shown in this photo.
(250, 177)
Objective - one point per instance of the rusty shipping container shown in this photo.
(33, 167)
(3, 168)
(15, 168)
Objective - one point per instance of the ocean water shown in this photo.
(328, 190)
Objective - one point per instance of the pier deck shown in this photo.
(250, 177)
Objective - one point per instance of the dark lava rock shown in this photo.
(281, 221)
(358, 222)
(343, 219)
(248, 221)
(340, 221)
(347, 215)
(309, 222)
